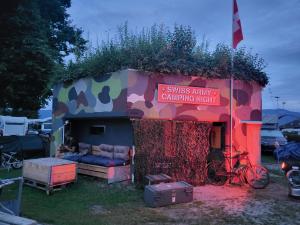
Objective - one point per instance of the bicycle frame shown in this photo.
(255, 175)
(235, 169)
(8, 159)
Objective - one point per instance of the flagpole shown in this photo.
(231, 91)
(231, 111)
(237, 36)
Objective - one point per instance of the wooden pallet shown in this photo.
(112, 174)
(44, 186)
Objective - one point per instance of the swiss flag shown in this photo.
(237, 33)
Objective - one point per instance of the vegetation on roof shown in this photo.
(159, 49)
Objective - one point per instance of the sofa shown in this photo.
(111, 162)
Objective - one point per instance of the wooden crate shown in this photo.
(49, 173)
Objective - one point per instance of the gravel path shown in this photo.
(237, 205)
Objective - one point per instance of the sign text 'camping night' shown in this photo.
(188, 95)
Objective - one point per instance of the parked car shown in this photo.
(271, 138)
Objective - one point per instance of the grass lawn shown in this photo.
(92, 201)
(89, 201)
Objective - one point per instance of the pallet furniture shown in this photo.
(112, 173)
(49, 174)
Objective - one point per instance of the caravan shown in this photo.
(40, 126)
(10, 125)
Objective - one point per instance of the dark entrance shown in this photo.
(217, 142)
(217, 136)
(112, 131)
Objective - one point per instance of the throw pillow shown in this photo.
(84, 148)
(107, 151)
(121, 152)
(96, 150)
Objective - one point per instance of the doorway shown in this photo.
(217, 136)
(177, 148)
(216, 142)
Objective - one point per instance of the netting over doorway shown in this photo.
(177, 148)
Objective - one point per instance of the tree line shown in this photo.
(35, 36)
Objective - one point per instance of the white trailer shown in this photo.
(10, 125)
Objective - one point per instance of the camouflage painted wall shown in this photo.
(134, 94)
(102, 96)
(142, 103)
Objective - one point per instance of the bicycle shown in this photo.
(255, 175)
(9, 160)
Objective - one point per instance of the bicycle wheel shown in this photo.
(4, 163)
(257, 176)
(17, 164)
(216, 173)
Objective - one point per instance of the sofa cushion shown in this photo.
(121, 152)
(84, 148)
(72, 157)
(101, 161)
(107, 151)
(96, 150)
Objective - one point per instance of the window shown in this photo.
(97, 129)
(48, 126)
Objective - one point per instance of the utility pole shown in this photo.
(277, 99)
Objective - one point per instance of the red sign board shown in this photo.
(188, 95)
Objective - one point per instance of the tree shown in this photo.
(35, 36)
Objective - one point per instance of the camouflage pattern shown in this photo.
(134, 94)
(88, 97)
(247, 104)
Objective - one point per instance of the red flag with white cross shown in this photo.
(237, 33)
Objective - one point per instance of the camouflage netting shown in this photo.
(177, 148)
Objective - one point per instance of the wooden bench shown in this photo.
(112, 173)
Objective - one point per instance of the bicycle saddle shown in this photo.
(244, 153)
(236, 154)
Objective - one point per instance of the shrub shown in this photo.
(162, 50)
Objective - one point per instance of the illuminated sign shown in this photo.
(188, 95)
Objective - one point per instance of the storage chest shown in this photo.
(157, 178)
(168, 193)
(49, 173)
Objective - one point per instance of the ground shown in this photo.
(91, 201)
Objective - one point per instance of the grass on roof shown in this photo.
(163, 50)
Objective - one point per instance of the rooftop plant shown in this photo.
(164, 50)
